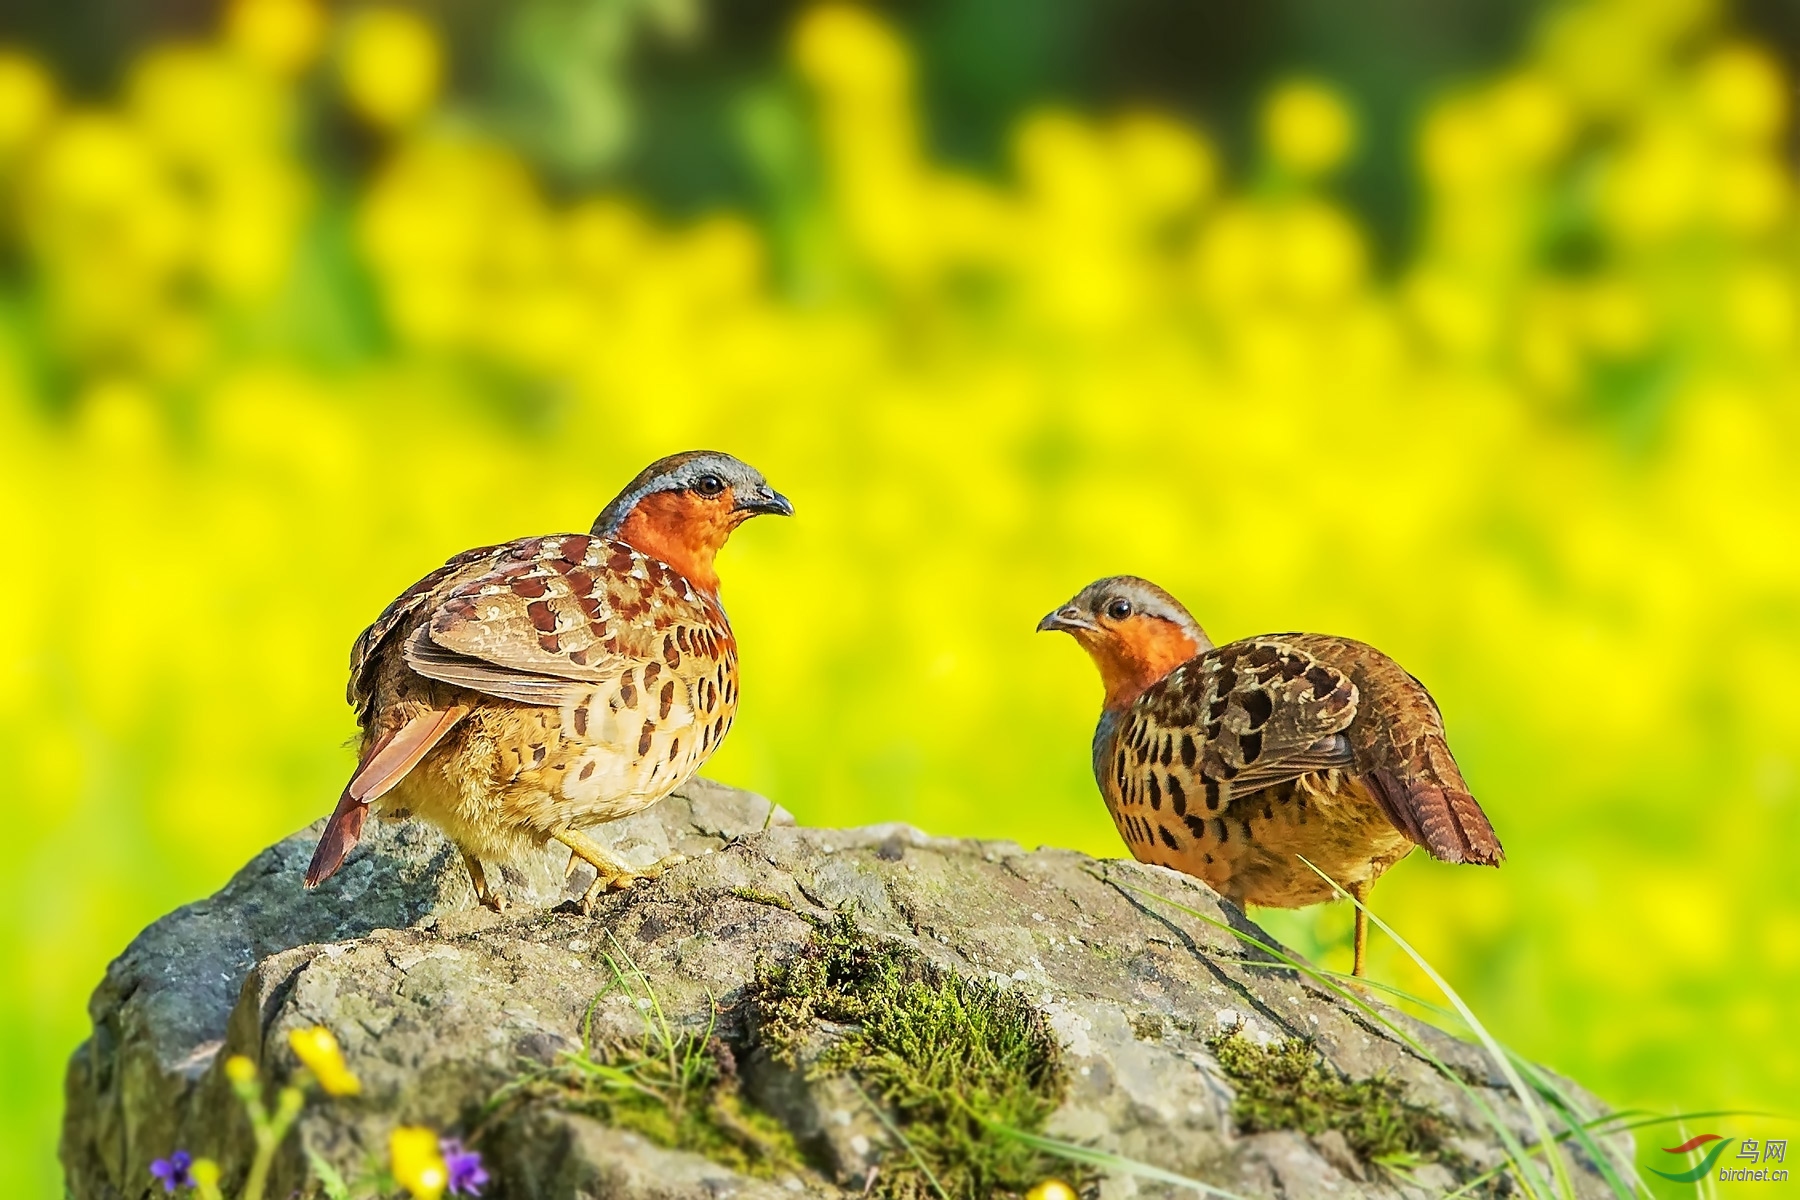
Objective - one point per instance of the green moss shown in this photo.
(759, 896)
(1286, 1085)
(679, 1088)
(951, 1061)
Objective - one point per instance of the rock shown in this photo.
(439, 1004)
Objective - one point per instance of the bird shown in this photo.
(1232, 763)
(526, 691)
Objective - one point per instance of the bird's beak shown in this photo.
(1067, 619)
(764, 499)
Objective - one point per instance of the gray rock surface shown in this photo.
(438, 1003)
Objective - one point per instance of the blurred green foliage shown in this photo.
(287, 318)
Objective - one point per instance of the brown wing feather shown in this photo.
(1401, 752)
(549, 624)
(1247, 716)
(366, 654)
(539, 621)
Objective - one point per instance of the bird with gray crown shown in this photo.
(524, 692)
(1233, 763)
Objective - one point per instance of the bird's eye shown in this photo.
(1118, 610)
(709, 485)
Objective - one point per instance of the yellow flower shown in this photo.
(1749, 192)
(1321, 252)
(392, 66)
(1531, 118)
(283, 35)
(1166, 165)
(1618, 320)
(417, 1162)
(847, 49)
(205, 1173)
(1308, 127)
(1760, 308)
(1742, 93)
(26, 99)
(1051, 1189)
(319, 1051)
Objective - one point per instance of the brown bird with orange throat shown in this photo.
(523, 692)
(1232, 762)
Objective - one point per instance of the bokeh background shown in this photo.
(1467, 328)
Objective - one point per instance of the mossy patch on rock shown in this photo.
(1285, 1085)
(954, 1062)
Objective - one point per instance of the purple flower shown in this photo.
(466, 1173)
(174, 1171)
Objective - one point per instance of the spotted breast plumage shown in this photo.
(525, 691)
(1231, 763)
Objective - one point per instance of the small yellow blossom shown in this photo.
(848, 50)
(1166, 165)
(392, 66)
(1457, 147)
(27, 98)
(319, 1051)
(205, 1173)
(240, 1070)
(1531, 118)
(283, 35)
(1308, 127)
(1742, 93)
(1749, 192)
(1051, 1189)
(417, 1162)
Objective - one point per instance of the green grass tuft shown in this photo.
(679, 1088)
(951, 1060)
(1286, 1085)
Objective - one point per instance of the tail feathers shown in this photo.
(391, 758)
(341, 834)
(1445, 820)
(383, 766)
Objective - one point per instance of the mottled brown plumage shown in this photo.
(1231, 763)
(524, 691)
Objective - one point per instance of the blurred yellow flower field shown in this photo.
(1547, 459)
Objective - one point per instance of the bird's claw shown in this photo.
(625, 880)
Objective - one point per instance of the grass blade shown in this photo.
(1620, 1121)
(1515, 1152)
(1527, 1098)
(918, 1159)
(1106, 1160)
(1546, 1086)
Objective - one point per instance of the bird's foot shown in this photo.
(610, 872)
(484, 892)
(619, 881)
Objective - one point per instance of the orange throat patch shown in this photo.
(683, 530)
(1136, 654)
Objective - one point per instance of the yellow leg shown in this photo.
(478, 877)
(1361, 892)
(609, 871)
